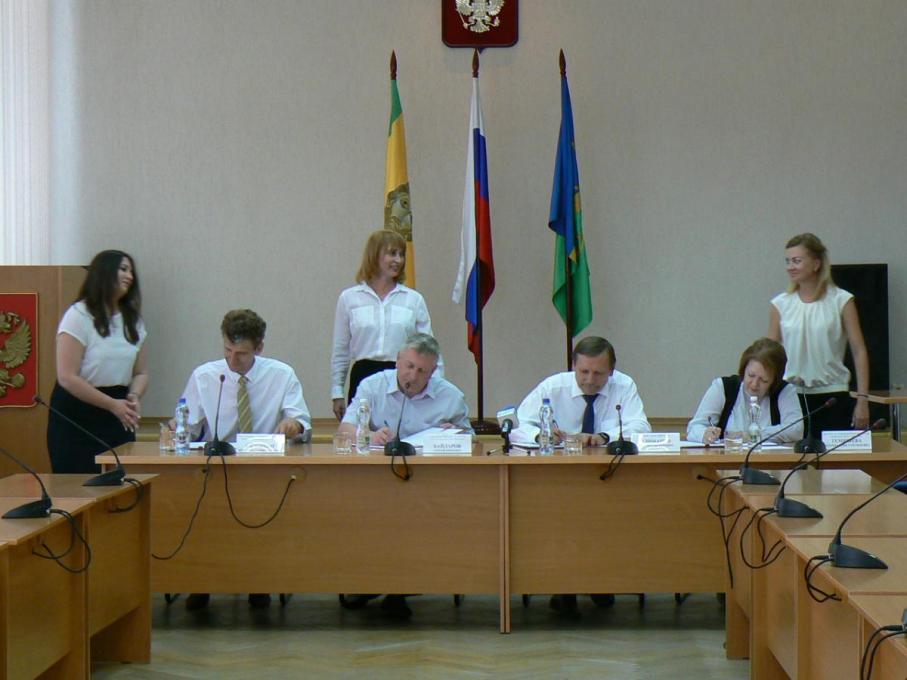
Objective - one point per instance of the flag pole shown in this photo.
(393, 65)
(563, 64)
(480, 358)
(478, 424)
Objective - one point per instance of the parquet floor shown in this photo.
(312, 637)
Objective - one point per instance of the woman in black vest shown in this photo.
(725, 405)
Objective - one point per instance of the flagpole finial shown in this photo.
(475, 63)
(563, 63)
(393, 65)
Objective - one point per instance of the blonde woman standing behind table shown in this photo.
(815, 320)
(375, 317)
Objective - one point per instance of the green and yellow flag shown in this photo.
(572, 294)
(397, 214)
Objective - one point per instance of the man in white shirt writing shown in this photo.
(260, 395)
(585, 401)
(406, 400)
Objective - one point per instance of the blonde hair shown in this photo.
(817, 249)
(379, 241)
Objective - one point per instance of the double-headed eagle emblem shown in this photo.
(15, 350)
(480, 16)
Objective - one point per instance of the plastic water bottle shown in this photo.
(546, 429)
(181, 436)
(363, 427)
(754, 431)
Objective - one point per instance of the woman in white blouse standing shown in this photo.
(101, 373)
(815, 320)
(375, 317)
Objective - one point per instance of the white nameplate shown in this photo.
(260, 444)
(456, 444)
(657, 442)
(832, 438)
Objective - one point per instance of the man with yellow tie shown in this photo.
(260, 395)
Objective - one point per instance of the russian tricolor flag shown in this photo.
(476, 271)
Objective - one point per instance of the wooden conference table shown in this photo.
(107, 609)
(791, 634)
(473, 524)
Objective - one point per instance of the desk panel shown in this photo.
(45, 621)
(646, 529)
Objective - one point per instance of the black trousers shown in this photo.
(837, 417)
(363, 369)
(72, 451)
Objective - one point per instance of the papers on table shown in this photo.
(719, 445)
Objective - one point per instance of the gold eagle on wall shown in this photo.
(480, 16)
(15, 350)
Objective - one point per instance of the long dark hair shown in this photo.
(98, 292)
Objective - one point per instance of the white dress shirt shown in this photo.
(367, 327)
(274, 392)
(107, 361)
(569, 406)
(712, 405)
(440, 402)
(814, 338)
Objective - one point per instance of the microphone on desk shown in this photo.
(112, 477)
(32, 509)
(397, 447)
(507, 420)
(810, 444)
(750, 476)
(849, 556)
(621, 447)
(216, 447)
(788, 507)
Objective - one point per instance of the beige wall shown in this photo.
(237, 150)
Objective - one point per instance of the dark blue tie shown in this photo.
(589, 414)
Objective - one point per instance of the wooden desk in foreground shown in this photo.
(43, 629)
(119, 597)
(474, 524)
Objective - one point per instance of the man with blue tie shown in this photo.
(584, 400)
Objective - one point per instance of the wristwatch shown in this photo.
(605, 437)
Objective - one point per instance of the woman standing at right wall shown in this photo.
(815, 320)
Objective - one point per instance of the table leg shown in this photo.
(896, 422)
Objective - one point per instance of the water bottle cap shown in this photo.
(363, 402)
(546, 400)
(182, 400)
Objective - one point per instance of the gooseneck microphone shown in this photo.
(750, 476)
(397, 447)
(621, 447)
(216, 447)
(788, 507)
(112, 477)
(849, 556)
(32, 509)
(810, 444)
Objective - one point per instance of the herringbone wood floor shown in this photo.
(313, 638)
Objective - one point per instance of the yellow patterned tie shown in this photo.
(243, 411)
